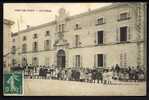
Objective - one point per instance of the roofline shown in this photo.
(114, 5)
(74, 16)
(35, 27)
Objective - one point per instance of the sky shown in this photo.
(34, 14)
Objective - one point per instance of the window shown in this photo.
(123, 16)
(62, 27)
(123, 34)
(100, 21)
(76, 40)
(24, 38)
(99, 37)
(24, 48)
(13, 62)
(35, 36)
(100, 60)
(13, 49)
(77, 59)
(47, 45)
(13, 40)
(47, 33)
(35, 61)
(77, 27)
(24, 61)
(35, 46)
(121, 59)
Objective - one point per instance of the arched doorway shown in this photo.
(61, 58)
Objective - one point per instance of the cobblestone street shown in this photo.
(56, 87)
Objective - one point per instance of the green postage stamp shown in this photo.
(13, 84)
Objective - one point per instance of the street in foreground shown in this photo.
(39, 87)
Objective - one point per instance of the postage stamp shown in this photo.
(13, 84)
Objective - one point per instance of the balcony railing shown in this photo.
(124, 18)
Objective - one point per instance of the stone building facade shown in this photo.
(98, 38)
(7, 43)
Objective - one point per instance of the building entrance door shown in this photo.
(61, 58)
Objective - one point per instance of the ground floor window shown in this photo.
(24, 61)
(77, 59)
(99, 60)
(13, 62)
(35, 61)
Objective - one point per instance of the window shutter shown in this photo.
(129, 12)
(128, 33)
(104, 60)
(104, 37)
(96, 38)
(103, 20)
(96, 21)
(118, 15)
(80, 61)
(49, 43)
(117, 34)
(125, 60)
(121, 59)
(44, 44)
(73, 59)
(95, 60)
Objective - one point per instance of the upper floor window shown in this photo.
(123, 16)
(24, 48)
(123, 34)
(35, 36)
(35, 61)
(77, 60)
(14, 62)
(77, 27)
(24, 38)
(76, 40)
(24, 61)
(47, 33)
(35, 46)
(99, 37)
(13, 49)
(47, 44)
(13, 40)
(61, 27)
(100, 21)
(100, 62)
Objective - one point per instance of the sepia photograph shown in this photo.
(74, 49)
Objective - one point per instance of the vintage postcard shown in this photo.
(74, 49)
